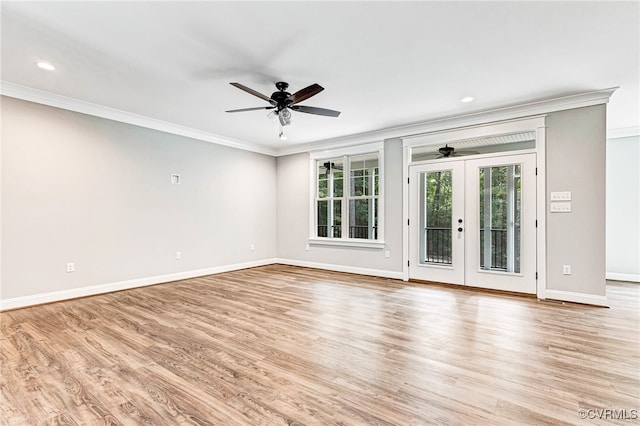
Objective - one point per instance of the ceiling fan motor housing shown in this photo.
(446, 150)
(281, 97)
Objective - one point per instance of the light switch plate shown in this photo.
(561, 207)
(561, 196)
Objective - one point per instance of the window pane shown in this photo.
(337, 184)
(329, 174)
(323, 218)
(361, 171)
(363, 218)
(359, 218)
(337, 219)
(437, 220)
(366, 161)
(322, 187)
(375, 219)
(358, 184)
(375, 181)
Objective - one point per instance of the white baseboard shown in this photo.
(569, 296)
(623, 277)
(56, 296)
(342, 268)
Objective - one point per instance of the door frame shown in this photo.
(449, 135)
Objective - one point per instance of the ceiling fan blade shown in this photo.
(305, 93)
(253, 92)
(463, 153)
(250, 109)
(315, 110)
(427, 156)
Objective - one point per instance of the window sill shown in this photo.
(343, 242)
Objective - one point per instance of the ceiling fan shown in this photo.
(284, 102)
(449, 151)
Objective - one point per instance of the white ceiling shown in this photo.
(383, 64)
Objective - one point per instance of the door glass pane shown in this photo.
(437, 217)
(500, 206)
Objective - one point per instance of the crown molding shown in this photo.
(451, 122)
(51, 99)
(623, 132)
(414, 129)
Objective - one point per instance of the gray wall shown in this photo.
(77, 188)
(576, 145)
(623, 208)
(293, 217)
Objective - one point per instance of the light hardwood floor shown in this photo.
(288, 345)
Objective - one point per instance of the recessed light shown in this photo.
(45, 66)
(467, 99)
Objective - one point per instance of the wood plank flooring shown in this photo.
(287, 345)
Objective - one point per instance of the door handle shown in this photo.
(459, 229)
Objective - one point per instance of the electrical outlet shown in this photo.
(178, 255)
(566, 269)
(307, 248)
(252, 248)
(387, 254)
(71, 267)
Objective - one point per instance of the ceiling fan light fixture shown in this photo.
(284, 116)
(282, 136)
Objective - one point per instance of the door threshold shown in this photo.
(473, 289)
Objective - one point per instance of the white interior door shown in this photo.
(436, 213)
(473, 222)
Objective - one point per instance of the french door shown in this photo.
(472, 222)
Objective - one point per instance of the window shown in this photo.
(347, 196)
(363, 196)
(330, 197)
